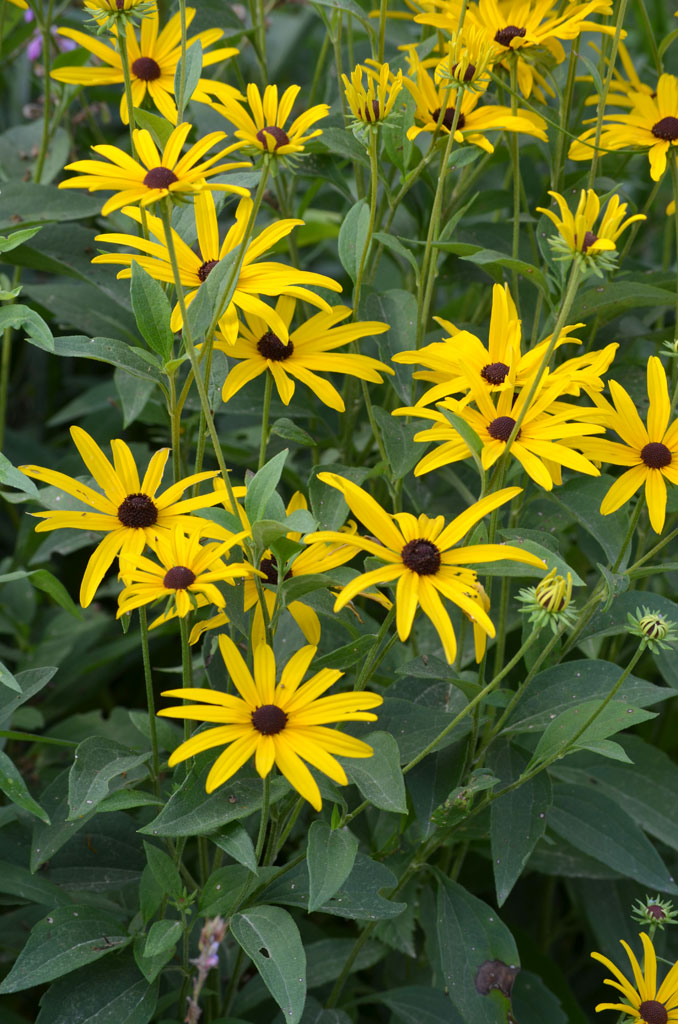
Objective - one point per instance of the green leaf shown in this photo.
(468, 434)
(379, 777)
(539, 544)
(45, 581)
(533, 1003)
(290, 431)
(110, 992)
(225, 889)
(419, 1005)
(32, 203)
(348, 655)
(352, 238)
(13, 477)
(150, 966)
(7, 679)
(330, 855)
(477, 954)
(235, 841)
(582, 498)
(66, 939)
(17, 238)
(398, 308)
(152, 311)
(164, 870)
(496, 262)
(133, 392)
(37, 332)
(271, 939)
(350, 7)
(163, 935)
(159, 127)
(18, 881)
(108, 350)
(97, 761)
(597, 826)
(517, 819)
(617, 715)
(611, 299)
(394, 244)
(50, 837)
(397, 434)
(262, 486)
(14, 787)
(192, 69)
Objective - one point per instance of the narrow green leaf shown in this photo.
(96, 762)
(617, 715)
(152, 311)
(330, 855)
(37, 332)
(397, 433)
(192, 71)
(417, 1004)
(262, 485)
(18, 881)
(352, 238)
(9, 242)
(7, 678)
(290, 431)
(234, 840)
(14, 787)
(271, 939)
(163, 935)
(398, 308)
(108, 350)
(13, 477)
(223, 891)
(379, 777)
(109, 992)
(164, 870)
(159, 127)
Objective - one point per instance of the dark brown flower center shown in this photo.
(269, 719)
(421, 556)
(270, 567)
(206, 269)
(179, 577)
(281, 137)
(160, 177)
(656, 455)
(589, 239)
(448, 119)
(468, 74)
(271, 347)
(146, 69)
(504, 35)
(494, 373)
(653, 1012)
(657, 912)
(500, 429)
(372, 115)
(120, 4)
(666, 129)
(137, 511)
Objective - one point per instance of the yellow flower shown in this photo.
(645, 1002)
(153, 58)
(621, 88)
(473, 120)
(420, 554)
(308, 351)
(187, 568)
(263, 126)
(255, 276)
(284, 724)
(577, 229)
(20, 3)
(541, 445)
(156, 176)
(651, 452)
(99, 7)
(373, 101)
(652, 124)
(514, 26)
(468, 60)
(127, 511)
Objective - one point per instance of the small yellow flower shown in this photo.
(578, 231)
(468, 60)
(284, 724)
(372, 102)
(157, 176)
(645, 1003)
(263, 126)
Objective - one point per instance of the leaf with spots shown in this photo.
(271, 939)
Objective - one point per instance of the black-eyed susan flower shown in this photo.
(644, 1002)
(420, 554)
(309, 351)
(129, 511)
(186, 568)
(468, 61)
(153, 57)
(474, 118)
(264, 127)
(650, 451)
(654, 912)
(157, 176)
(545, 441)
(656, 631)
(578, 234)
(20, 3)
(256, 277)
(652, 124)
(284, 724)
(624, 83)
(372, 101)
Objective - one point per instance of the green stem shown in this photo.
(373, 658)
(650, 35)
(124, 60)
(47, 64)
(175, 428)
(629, 534)
(263, 821)
(374, 187)
(268, 391)
(259, 19)
(515, 174)
(181, 98)
(150, 699)
(564, 117)
(383, 5)
(6, 365)
(602, 99)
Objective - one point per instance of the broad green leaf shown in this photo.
(125, 799)
(133, 392)
(164, 870)
(582, 498)
(224, 890)
(379, 777)
(611, 299)
(414, 725)
(598, 827)
(235, 840)
(18, 881)
(398, 308)
(327, 503)
(68, 938)
(566, 686)
(397, 434)
(37, 331)
(163, 935)
(108, 350)
(467, 432)
(191, 65)
(7, 678)
(96, 762)
(535, 542)
(290, 431)
(348, 655)
(17, 238)
(150, 966)
(533, 1003)
(14, 787)
(496, 263)
(48, 838)
(152, 311)
(330, 855)
(352, 238)
(151, 895)
(159, 127)
(558, 738)
(517, 819)
(271, 939)
(395, 245)
(477, 954)
(33, 203)
(10, 476)
(325, 959)
(110, 992)
(345, 144)
(262, 486)
(417, 1004)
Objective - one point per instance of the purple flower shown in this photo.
(34, 48)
